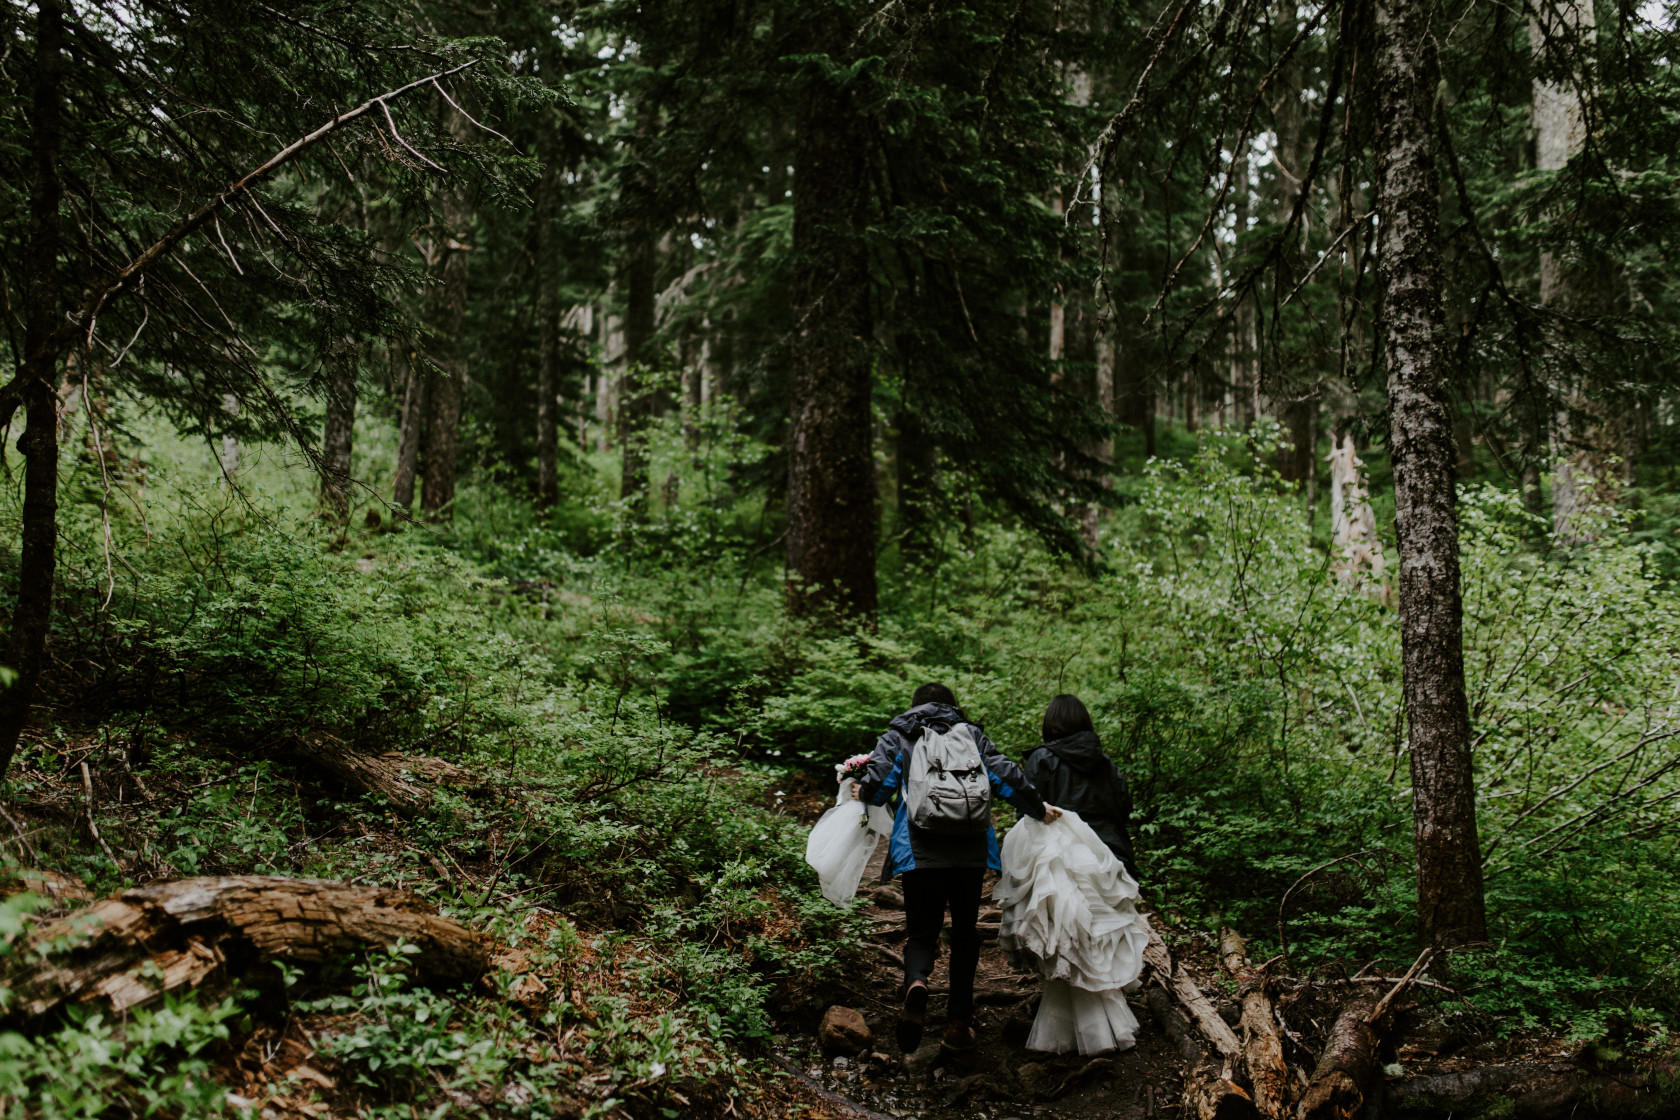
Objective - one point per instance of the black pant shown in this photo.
(927, 895)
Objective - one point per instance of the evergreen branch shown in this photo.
(131, 274)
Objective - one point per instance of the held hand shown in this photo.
(855, 795)
(1051, 814)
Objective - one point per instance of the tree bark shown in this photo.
(832, 508)
(339, 432)
(1208, 1093)
(446, 379)
(548, 318)
(917, 458)
(33, 387)
(635, 396)
(413, 380)
(1262, 1049)
(135, 946)
(1450, 904)
(1559, 132)
(390, 774)
(1348, 1069)
(1296, 398)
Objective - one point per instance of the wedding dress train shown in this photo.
(1070, 912)
(841, 843)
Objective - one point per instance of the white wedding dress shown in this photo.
(1070, 912)
(841, 843)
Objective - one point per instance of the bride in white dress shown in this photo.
(1069, 902)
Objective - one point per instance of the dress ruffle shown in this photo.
(1070, 913)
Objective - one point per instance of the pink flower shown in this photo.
(852, 769)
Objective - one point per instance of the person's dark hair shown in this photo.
(933, 693)
(1066, 716)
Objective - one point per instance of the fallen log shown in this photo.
(138, 944)
(1177, 981)
(1349, 1068)
(1534, 1091)
(404, 780)
(1176, 1003)
(1346, 1070)
(1209, 1092)
(1262, 1049)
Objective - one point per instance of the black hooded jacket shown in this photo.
(1074, 773)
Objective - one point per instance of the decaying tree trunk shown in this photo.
(138, 944)
(1262, 1049)
(1208, 1093)
(1356, 549)
(1535, 1091)
(1177, 1003)
(1348, 1068)
(405, 780)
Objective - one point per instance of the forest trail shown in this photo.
(1000, 1078)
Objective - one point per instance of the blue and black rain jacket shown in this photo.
(913, 849)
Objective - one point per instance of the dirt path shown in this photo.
(1000, 1079)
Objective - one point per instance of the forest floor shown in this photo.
(281, 1064)
(999, 1079)
(1002, 1080)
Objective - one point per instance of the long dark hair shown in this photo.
(1066, 716)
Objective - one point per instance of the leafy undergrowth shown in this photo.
(631, 714)
(650, 912)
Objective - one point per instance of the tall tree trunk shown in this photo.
(1450, 905)
(548, 317)
(339, 432)
(1559, 132)
(916, 461)
(1296, 394)
(33, 387)
(831, 503)
(411, 376)
(230, 441)
(635, 395)
(446, 377)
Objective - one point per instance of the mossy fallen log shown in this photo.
(138, 944)
(407, 781)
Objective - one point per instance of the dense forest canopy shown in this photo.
(630, 404)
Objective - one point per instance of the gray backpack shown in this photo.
(948, 790)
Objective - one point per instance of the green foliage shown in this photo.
(152, 1060)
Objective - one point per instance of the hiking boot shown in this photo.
(958, 1036)
(910, 1016)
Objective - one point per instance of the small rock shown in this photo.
(1036, 1077)
(920, 1064)
(887, 898)
(843, 1031)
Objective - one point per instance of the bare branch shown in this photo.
(445, 94)
(397, 136)
(234, 261)
(131, 274)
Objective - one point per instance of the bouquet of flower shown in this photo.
(851, 770)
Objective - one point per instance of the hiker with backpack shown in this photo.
(944, 773)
